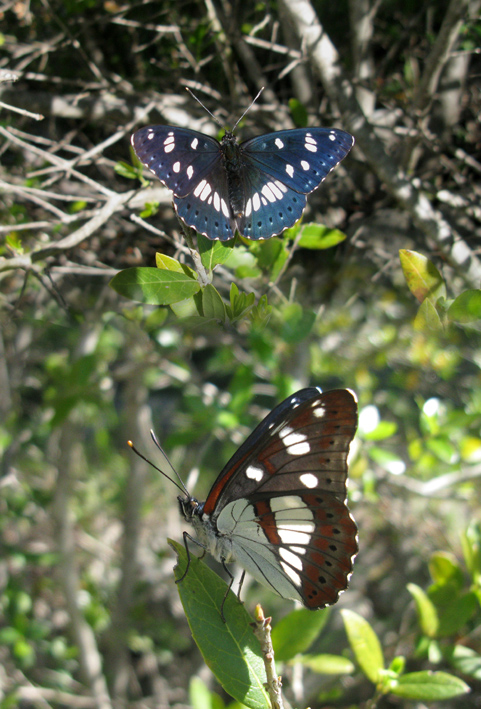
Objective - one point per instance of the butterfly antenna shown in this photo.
(248, 109)
(205, 109)
(181, 487)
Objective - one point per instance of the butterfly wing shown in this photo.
(301, 158)
(189, 164)
(281, 498)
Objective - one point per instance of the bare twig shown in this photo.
(262, 631)
(326, 62)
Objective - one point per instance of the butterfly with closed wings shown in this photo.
(257, 188)
(279, 508)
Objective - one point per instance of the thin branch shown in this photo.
(326, 62)
(262, 631)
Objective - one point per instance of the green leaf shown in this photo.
(154, 286)
(457, 614)
(365, 645)
(240, 303)
(212, 304)
(297, 322)
(422, 276)
(319, 236)
(296, 632)
(427, 613)
(125, 169)
(201, 697)
(466, 308)
(466, 660)
(428, 686)
(444, 569)
(229, 649)
(471, 543)
(166, 263)
(213, 252)
(298, 112)
(327, 664)
(427, 318)
(384, 429)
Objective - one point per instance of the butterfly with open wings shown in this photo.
(278, 507)
(257, 188)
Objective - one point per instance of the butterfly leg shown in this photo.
(187, 536)
(240, 585)
(231, 581)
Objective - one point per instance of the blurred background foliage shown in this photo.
(86, 577)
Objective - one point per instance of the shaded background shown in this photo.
(86, 577)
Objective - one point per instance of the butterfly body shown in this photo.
(257, 187)
(278, 507)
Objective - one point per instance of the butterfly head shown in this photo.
(189, 507)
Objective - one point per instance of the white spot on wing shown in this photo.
(290, 170)
(305, 165)
(285, 432)
(169, 143)
(205, 192)
(311, 143)
(190, 172)
(248, 208)
(216, 202)
(291, 558)
(275, 190)
(293, 438)
(225, 208)
(293, 536)
(290, 504)
(299, 449)
(199, 188)
(309, 480)
(256, 202)
(254, 473)
(268, 193)
(320, 412)
(279, 143)
(293, 575)
(194, 144)
(176, 166)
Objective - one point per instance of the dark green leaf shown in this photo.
(229, 649)
(427, 613)
(298, 112)
(466, 308)
(296, 632)
(212, 304)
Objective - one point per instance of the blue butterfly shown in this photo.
(257, 188)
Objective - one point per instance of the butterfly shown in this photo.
(257, 187)
(278, 507)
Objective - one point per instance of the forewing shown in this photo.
(179, 157)
(301, 158)
(301, 445)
